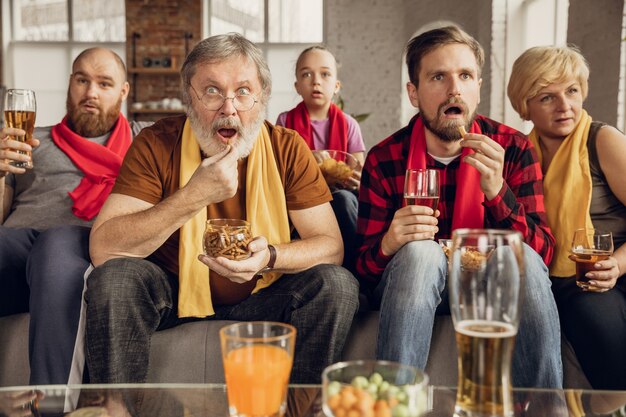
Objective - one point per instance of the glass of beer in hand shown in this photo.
(19, 112)
(421, 187)
(486, 267)
(588, 247)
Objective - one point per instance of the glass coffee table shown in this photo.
(208, 400)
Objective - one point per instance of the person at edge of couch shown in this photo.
(489, 179)
(47, 211)
(584, 166)
(220, 160)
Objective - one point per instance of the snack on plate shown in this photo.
(335, 171)
(462, 131)
(472, 259)
(446, 245)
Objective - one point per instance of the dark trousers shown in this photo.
(42, 273)
(595, 325)
(129, 299)
(345, 204)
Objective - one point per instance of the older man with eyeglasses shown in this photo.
(221, 160)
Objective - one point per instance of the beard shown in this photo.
(448, 130)
(90, 125)
(207, 136)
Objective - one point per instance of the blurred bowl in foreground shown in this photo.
(374, 389)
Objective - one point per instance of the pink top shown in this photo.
(322, 127)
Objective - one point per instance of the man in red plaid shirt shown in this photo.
(490, 178)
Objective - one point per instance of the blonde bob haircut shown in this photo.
(541, 66)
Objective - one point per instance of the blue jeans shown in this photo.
(345, 204)
(411, 292)
(129, 299)
(42, 273)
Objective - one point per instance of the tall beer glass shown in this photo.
(19, 112)
(486, 267)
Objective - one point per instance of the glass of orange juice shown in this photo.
(257, 359)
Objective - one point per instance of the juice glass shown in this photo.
(257, 359)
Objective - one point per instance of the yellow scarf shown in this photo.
(266, 210)
(567, 192)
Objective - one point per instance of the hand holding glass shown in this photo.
(19, 112)
(484, 282)
(257, 359)
(588, 247)
(421, 187)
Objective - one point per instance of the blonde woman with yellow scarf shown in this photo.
(584, 167)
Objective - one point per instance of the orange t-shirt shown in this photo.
(151, 171)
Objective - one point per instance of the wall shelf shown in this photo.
(154, 83)
(155, 71)
(158, 111)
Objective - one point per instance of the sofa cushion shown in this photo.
(190, 353)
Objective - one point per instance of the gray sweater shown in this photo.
(40, 196)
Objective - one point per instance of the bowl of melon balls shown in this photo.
(369, 388)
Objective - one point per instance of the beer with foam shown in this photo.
(485, 349)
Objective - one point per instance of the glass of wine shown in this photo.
(588, 247)
(19, 112)
(421, 187)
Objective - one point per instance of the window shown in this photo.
(47, 20)
(282, 28)
(50, 34)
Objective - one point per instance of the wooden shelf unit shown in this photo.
(169, 76)
(154, 71)
(158, 111)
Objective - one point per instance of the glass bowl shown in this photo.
(374, 388)
(446, 245)
(337, 167)
(228, 238)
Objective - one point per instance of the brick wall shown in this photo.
(161, 25)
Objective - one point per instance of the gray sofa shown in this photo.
(190, 353)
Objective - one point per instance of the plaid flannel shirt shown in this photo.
(518, 206)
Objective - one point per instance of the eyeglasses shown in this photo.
(214, 100)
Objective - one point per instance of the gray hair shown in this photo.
(219, 48)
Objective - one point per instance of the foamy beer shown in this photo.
(19, 112)
(486, 267)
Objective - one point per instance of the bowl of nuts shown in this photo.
(228, 238)
(368, 388)
(337, 167)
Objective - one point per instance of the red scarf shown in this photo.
(298, 120)
(100, 164)
(468, 208)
